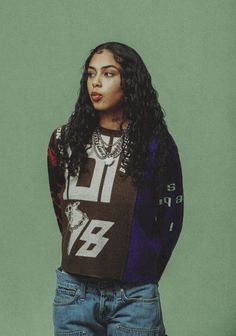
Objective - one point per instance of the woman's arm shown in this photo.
(170, 209)
(56, 178)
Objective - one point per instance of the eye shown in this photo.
(109, 73)
(90, 74)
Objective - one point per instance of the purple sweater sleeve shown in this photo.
(170, 210)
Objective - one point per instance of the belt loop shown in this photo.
(83, 289)
(118, 290)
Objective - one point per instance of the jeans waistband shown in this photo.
(99, 283)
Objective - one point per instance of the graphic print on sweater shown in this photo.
(156, 223)
(98, 208)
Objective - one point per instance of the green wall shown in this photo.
(189, 49)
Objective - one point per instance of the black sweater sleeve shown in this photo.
(56, 178)
(170, 210)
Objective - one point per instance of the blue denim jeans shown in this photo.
(105, 307)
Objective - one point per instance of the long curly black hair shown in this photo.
(140, 107)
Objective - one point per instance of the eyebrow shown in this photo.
(105, 66)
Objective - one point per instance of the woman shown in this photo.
(116, 186)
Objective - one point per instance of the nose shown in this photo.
(96, 81)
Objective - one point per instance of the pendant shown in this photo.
(108, 160)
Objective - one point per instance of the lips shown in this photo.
(96, 96)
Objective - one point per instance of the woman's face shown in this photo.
(104, 78)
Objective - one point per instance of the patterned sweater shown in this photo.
(111, 229)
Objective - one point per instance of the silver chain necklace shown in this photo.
(102, 151)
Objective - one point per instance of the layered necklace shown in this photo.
(102, 148)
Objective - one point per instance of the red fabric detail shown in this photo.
(52, 157)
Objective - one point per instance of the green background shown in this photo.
(189, 49)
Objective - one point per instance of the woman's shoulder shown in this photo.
(54, 141)
(154, 143)
(57, 133)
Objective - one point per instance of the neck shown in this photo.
(112, 122)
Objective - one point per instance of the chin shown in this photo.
(101, 108)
